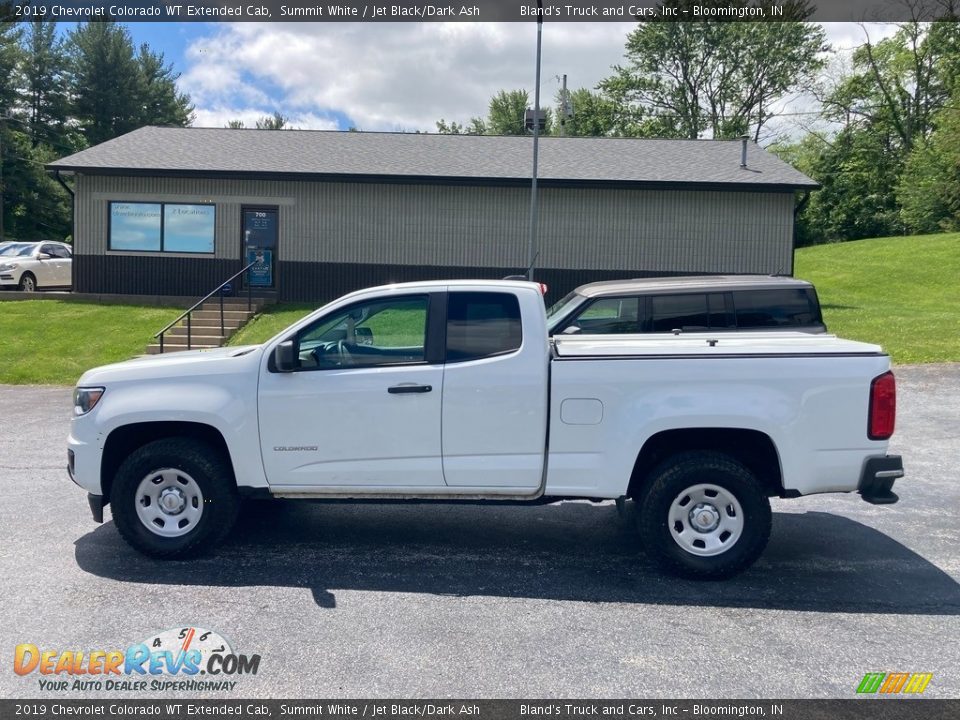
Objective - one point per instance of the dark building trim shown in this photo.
(150, 275)
(439, 180)
(302, 281)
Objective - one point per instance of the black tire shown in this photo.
(28, 283)
(210, 471)
(684, 472)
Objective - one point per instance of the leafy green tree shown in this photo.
(929, 187)
(477, 126)
(716, 78)
(592, 115)
(506, 116)
(274, 122)
(235, 124)
(856, 171)
(899, 83)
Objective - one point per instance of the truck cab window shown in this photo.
(482, 324)
(381, 332)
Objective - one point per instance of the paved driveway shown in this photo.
(551, 601)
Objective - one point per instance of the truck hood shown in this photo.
(191, 362)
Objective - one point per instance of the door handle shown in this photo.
(404, 389)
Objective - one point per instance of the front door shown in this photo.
(363, 409)
(259, 228)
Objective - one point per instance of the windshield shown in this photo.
(561, 309)
(17, 250)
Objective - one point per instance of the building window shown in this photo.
(162, 227)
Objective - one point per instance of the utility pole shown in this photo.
(564, 107)
(532, 243)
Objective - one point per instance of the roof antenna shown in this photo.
(526, 272)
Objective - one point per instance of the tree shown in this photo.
(105, 81)
(929, 187)
(115, 91)
(160, 102)
(235, 124)
(274, 122)
(856, 171)
(477, 126)
(44, 70)
(506, 116)
(593, 115)
(716, 78)
(898, 84)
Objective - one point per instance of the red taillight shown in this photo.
(543, 288)
(883, 407)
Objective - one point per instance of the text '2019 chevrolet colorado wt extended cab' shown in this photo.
(452, 390)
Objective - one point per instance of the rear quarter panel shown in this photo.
(813, 408)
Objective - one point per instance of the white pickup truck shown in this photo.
(440, 391)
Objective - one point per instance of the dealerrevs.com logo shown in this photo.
(894, 683)
(190, 659)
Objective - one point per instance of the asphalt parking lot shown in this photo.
(353, 600)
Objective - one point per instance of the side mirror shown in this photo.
(43, 256)
(284, 358)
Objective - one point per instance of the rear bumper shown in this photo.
(877, 478)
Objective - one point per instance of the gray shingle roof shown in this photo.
(403, 155)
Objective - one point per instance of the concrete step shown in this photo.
(241, 315)
(213, 332)
(228, 323)
(240, 305)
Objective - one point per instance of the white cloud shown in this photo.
(390, 76)
(405, 76)
(219, 116)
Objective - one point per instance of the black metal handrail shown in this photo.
(189, 312)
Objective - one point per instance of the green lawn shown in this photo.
(903, 293)
(272, 320)
(900, 292)
(53, 342)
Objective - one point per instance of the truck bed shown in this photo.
(720, 344)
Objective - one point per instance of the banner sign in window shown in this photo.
(260, 273)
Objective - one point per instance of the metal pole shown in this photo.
(563, 107)
(532, 243)
(2, 188)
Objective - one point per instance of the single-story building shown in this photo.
(175, 211)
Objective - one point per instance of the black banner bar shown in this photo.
(470, 10)
(874, 708)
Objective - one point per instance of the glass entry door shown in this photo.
(260, 246)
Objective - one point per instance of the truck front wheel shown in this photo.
(174, 497)
(704, 516)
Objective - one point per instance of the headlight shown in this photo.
(8, 266)
(85, 399)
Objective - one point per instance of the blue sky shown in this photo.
(388, 76)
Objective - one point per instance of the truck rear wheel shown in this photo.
(174, 497)
(704, 516)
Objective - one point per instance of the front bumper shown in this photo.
(877, 478)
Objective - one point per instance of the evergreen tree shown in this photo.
(44, 70)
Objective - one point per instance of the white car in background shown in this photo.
(29, 266)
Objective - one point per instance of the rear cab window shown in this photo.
(482, 324)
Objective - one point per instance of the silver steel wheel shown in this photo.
(169, 502)
(705, 520)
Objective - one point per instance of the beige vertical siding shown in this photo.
(431, 225)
